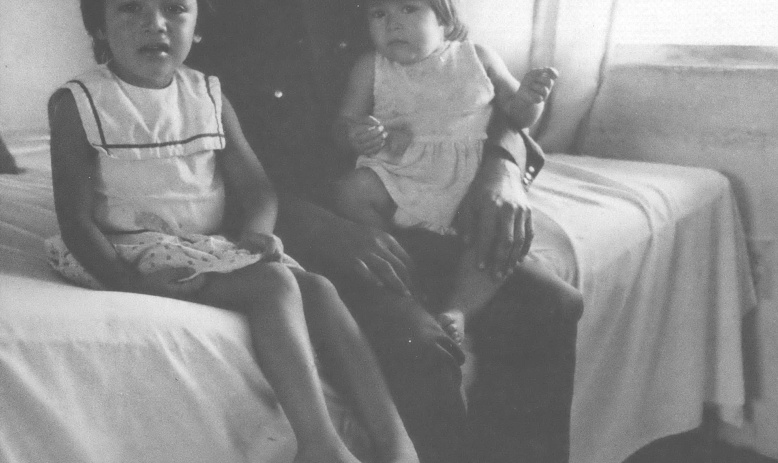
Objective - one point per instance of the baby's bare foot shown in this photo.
(453, 323)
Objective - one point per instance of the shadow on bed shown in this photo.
(7, 162)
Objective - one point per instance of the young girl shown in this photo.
(145, 153)
(415, 112)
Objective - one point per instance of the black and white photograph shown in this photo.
(388, 231)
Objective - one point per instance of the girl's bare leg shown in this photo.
(473, 289)
(268, 294)
(332, 325)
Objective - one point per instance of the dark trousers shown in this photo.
(518, 408)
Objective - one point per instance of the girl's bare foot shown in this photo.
(409, 458)
(401, 451)
(453, 323)
(340, 454)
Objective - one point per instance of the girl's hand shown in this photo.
(537, 84)
(268, 245)
(366, 136)
(176, 283)
(373, 255)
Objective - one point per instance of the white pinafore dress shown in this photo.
(159, 197)
(444, 103)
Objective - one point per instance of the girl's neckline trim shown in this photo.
(138, 87)
(434, 55)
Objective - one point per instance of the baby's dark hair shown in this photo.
(448, 15)
(93, 15)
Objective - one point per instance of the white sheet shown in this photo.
(658, 251)
(659, 254)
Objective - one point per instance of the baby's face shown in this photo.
(405, 31)
(149, 39)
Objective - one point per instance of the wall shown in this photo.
(713, 108)
(504, 26)
(42, 44)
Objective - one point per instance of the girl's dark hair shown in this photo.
(93, 15)
(448, 15)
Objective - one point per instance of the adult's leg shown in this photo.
(345, 351)
(525, 348)
(421, 365)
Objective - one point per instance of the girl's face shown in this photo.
(149, 39)
(405, 31)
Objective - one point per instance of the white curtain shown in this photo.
(571, 35)
(574, 37)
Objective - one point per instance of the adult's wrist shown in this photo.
(526, 175)
(501, 153)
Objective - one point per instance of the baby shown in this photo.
(415, 113)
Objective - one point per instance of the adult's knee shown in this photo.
(570, 304)
(544, 294)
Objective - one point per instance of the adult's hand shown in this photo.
(495, 217)
(378, 259)
(374, 255)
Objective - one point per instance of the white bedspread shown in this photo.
(659, 254)
(107, 377)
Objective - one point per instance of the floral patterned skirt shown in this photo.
(152, 251)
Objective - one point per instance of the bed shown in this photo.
(659, 254)
(657, 250)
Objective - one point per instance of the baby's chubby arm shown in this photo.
(523, 102)
(247, 178)
(355, 129)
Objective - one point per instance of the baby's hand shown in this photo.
(366, 136)
(266, 244)
(537, 84)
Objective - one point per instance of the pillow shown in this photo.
(7, 163)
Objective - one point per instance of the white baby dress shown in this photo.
(444, 103)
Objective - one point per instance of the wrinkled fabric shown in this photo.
(98, 376)
(658, 252)
(111, 377)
